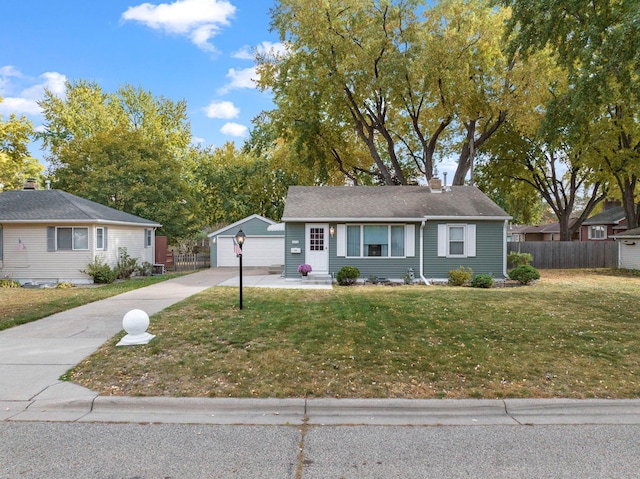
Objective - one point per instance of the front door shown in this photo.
(317, 250)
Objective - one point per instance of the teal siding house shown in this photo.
(394, 231)
(264, 243)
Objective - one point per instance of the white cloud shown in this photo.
(196, 140)
(248, 53)
(199, 20)
(6, 73)
(244, 78)
(234, 129)
(53, 81)
(25, 103)
(19, 106)
(222, 109)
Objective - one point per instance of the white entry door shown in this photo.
(317, 248)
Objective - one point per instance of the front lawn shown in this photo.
(573, 334)
(23, 305)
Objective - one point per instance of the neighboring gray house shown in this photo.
(48, 236)
(391, 231)
(263, 246)
(629, 249)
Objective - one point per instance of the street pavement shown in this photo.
(297, 437)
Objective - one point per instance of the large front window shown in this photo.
(375, 241)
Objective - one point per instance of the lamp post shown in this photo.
(240, 236)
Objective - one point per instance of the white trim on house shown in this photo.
(409, 247)
(370, 219)
(81, 222)
(242, 221)
(468, 240)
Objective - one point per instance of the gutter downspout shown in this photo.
(504, 255)
(424, 222)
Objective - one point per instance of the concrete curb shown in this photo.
(325, 411)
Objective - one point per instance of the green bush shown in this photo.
(524, 274)
(482, 281)
(519, 259)
(348, 275)
(460, 276)
(101, 272)
(9, 283)
(126, 264)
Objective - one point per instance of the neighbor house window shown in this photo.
(67, 238)
(598, 232)
(376, 241)
(147, 238)
(457, 240)
(101, 238)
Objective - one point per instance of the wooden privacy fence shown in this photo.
(569, 254)
(183, 262)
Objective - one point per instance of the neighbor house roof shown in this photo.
(57, 206)
(634, 233)
(609, 216)
(351, 203)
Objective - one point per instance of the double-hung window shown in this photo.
(597, 232)
(457, 240)
(147, 238)
(101, 238)
(371, 241)
(63, 238)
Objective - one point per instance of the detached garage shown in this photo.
(629, 249)
(262, 247)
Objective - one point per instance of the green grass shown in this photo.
(23, 305)
(573, 334)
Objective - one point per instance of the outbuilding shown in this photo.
(629, 249)
(264, 244)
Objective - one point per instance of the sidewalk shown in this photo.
(33, 357)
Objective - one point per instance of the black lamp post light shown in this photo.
(240, 237)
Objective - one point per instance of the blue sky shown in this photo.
(197, 50)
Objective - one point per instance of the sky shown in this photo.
(197, 50)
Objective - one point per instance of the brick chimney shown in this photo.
(30, 184)
(435, 184)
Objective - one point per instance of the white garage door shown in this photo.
(257, 251)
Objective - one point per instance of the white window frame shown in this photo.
(462, 240)
(361, 247)
(468, 241)
(73, 237)
(597, 228)
(101, 245)
(147, 237)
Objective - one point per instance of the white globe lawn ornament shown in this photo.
(135, 323)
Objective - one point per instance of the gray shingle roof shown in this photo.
(387, 202)
(60, 206)
(635, 233)
(609, 216)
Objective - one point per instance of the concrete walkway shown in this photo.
(34, 356)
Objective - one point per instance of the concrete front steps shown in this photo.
(312, 278)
